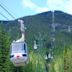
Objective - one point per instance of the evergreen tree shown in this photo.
(4, 51)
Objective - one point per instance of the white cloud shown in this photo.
(28, 3)
(55, 4)
(33, 6)
(69, 7)
(63, 5)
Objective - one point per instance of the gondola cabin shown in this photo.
(19, 53)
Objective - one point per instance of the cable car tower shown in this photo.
(53, 30)
(19, 52)
(53, 19)
(49, 54)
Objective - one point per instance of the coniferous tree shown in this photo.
(4, 51)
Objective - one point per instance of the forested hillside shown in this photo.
(40, 23)
(39, 29)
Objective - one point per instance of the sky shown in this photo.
(21, 8)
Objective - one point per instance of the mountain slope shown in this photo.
(37, 24)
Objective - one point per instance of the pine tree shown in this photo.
(4, 51)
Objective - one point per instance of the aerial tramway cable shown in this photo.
(4, 16)
(7, 11)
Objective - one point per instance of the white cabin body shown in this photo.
(19, 53)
